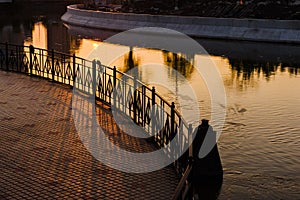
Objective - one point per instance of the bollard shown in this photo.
(207, 174)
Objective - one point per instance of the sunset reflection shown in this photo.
(259, 144)
(39, 37)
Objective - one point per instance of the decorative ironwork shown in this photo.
(136, 100)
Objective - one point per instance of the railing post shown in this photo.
(94, 78)
(153, 96)
(153, 112)
(74, 69)
(134, 99)
(172, 120)
(18, 57)
(53, 64)
(144, 104)
(115, 83)
(6, 56)
(31, 54)
(190, 140)
(115, 76)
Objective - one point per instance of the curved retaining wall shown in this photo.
(224, 28)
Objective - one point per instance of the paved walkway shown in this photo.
(42, 157)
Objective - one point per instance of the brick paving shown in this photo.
(42, 157)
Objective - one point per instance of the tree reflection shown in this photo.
(247, 73)
(182, 63)
(246, 69)
(130, 61)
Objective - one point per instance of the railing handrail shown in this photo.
(111, 68)
(182, 182)
(49, 51)
(108, 67)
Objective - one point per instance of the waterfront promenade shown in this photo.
(42, 156)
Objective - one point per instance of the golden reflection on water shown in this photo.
(158, 68)
(257, 101)
(39, 37)
(260, 139)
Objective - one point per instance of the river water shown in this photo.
(260, 142)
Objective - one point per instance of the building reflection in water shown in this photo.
(36, 24)
(241, 64)
(48, 32)
(38, 37)
(14, 34)
(182, 63)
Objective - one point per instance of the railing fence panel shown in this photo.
(142, 104)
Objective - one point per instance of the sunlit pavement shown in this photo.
(42, 157)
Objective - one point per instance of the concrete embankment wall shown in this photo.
(287, 31)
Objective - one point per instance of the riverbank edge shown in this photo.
(263, 30)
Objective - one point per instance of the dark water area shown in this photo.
(19, 19)
(259, 145)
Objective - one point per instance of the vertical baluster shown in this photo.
(104, 84)
(43, 63)
(153, 96)
(83, 74)
(63, 68)
(172, 120)
(74, 69)
(31, 52)
(6, 56)
(143, 105)
(17, 57)
(153, 116)
(134, 99)
(53, 64)
(94, 78)
(100, 75)
(190, 140)
(162, 121)
(115, 76)
(124, 92)
(114, 84)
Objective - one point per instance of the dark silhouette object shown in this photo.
(207, 173)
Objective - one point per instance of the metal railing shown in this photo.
(184, 187)
(136, 100)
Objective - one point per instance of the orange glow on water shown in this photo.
(39, 36)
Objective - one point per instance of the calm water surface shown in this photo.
(260, 142)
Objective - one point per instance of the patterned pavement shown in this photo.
(42, 157)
